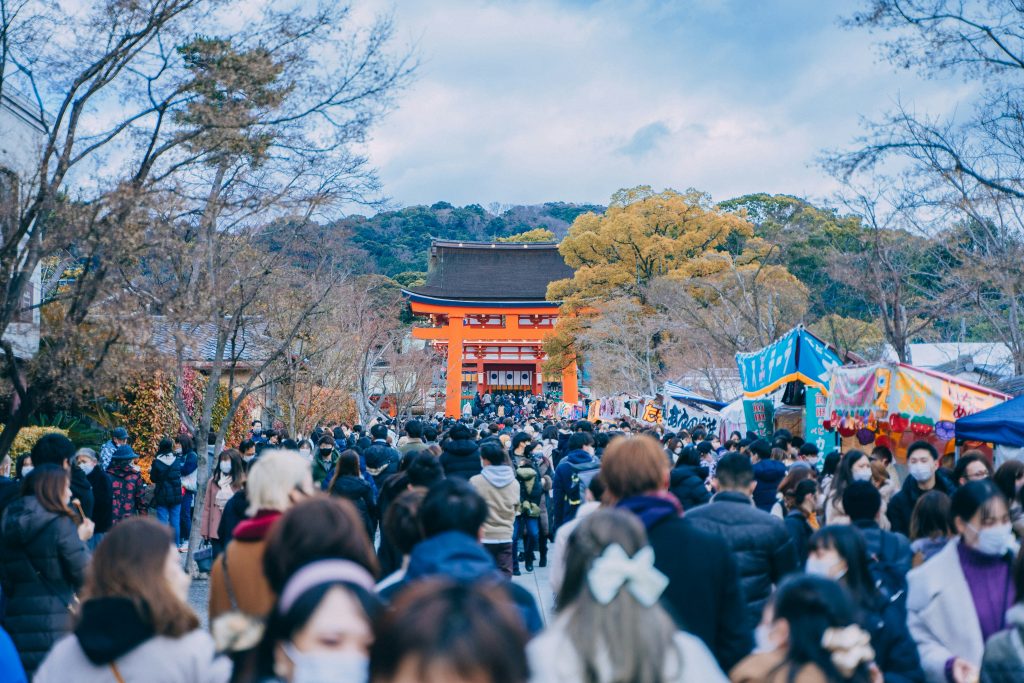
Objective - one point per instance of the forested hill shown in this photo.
(397, 242)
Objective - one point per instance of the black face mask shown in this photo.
(326, 452)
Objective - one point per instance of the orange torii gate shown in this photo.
(487, 313)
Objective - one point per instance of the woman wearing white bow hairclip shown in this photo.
(610, 626)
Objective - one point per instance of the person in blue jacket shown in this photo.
(572, 476)
(768, 474)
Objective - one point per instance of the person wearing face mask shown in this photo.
(319, 630)
(925, 475)
(839, 553)
(135, 623)
(277, 480)
(103, 495)
(306, 450)
(960, 597)
(809, 634)
(43, 559)
(227, 479)
(802, 518)
(324, 461)
(854, 467)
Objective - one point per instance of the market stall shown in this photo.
(1001, 425)
(684, 409)
(796, 367)
(894, 404)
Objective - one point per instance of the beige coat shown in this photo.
(502, 496)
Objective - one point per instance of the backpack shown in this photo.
(580, 479)
(888, 576)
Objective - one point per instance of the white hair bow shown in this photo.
(615, 568)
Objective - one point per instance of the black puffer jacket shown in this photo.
(42, 566)
(902, 504)
(165, 474)
(361, 495)
(687, 484)
(460, 458)
(764, 551)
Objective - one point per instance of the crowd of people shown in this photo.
(387, 554)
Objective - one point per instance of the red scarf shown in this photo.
(256, 529)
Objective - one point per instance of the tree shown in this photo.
(642, 236)
(535, 235)
(622, 347)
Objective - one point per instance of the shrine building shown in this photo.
(488, 316)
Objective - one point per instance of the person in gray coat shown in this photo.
(43, 558)
(1004, 652)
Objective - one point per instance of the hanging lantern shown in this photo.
(921, 426)
(883, 442)
(898, 423)
(846, 428)
(865, 436)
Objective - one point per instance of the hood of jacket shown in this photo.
(527, 474)
(498, 476)
(579, 456)
(452, 554)
(769, 470)
(25, 519)
(166, 458)
(1015, 615)
(652, 509)
(378, 456)
(460, 447)
(681, 473)
(110, 628)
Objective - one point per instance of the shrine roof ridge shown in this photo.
(469, 244)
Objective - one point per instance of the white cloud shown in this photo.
(533, 100)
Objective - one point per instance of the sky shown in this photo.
(528, 101)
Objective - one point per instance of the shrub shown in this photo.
(27, 438)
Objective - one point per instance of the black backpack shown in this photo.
(579, 481)
(885, 570)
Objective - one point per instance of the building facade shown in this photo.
(487, 314)
(22, 133)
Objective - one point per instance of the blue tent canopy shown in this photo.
(1002, 424)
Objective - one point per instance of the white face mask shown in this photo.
(247, 458)
(87, 467)
(823, 568)
(921, 471)
(26, 470)
(762, 639)
(862, 475)
(995, 540)
(327, 667)
(225, 466)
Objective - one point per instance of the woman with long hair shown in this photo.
(228, 478)
(43, 557)
(348, 483)
(855, 466)
(809, 633)
(610, 625)
(930, 528)
(839, 552)
(135, 623)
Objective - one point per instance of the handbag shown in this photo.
(203, 557)
(235, 630)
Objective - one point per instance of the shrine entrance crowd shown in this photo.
(397, 552)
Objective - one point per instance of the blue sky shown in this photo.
(526, 101)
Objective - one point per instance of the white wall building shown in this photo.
(21, 135)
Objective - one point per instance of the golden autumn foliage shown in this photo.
(642, 236)
(27, 438)
(535, 235)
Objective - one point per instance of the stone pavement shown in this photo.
(536, 583)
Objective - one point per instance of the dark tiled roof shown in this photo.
(1011, 385)
(200, 342)
(492, 271)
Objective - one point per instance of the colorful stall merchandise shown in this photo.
(894, 404)
(798, 356)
